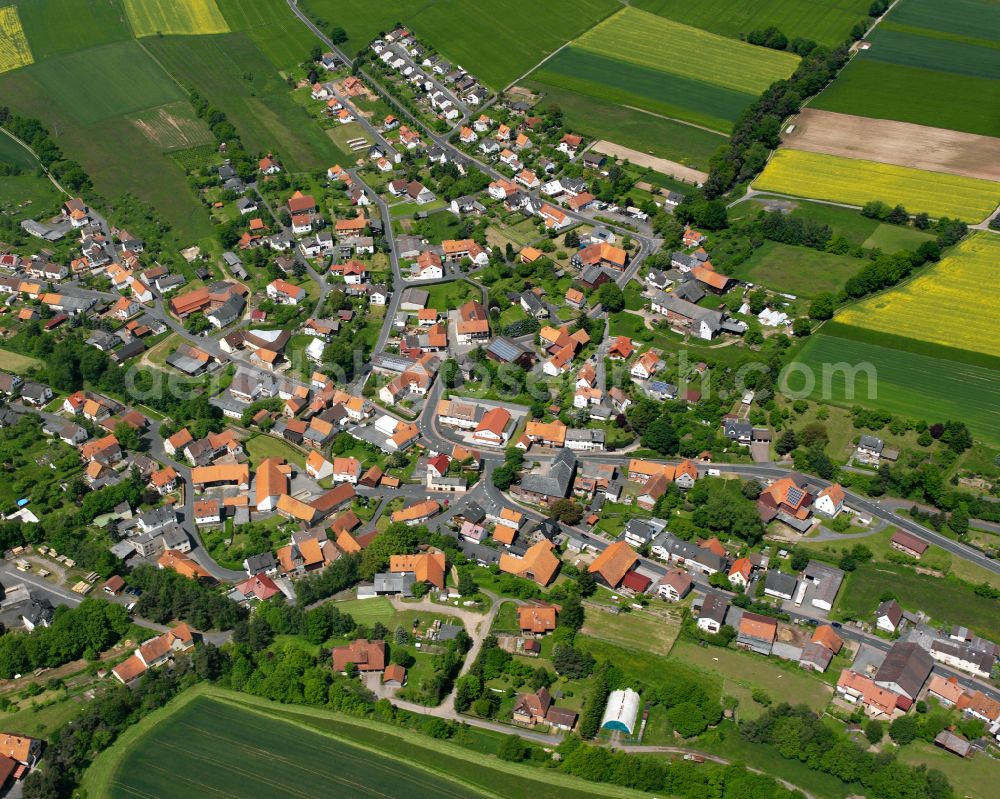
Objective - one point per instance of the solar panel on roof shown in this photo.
(794, 496)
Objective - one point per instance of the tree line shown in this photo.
(799, 734)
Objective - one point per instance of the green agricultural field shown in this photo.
(599, 118)
(250, 747)
(274, 29)
(607, 79)
(828, 23)
(973, 19)
(27, 196)
(648, 40)
(221, 747)
(802, 271)
(908, 383)
(899, 45)
(871, 88)
(497, 42)
(945, 599)
(930, 63)
(162, 17)
(123, 79)
(232, 73)
(55, 27)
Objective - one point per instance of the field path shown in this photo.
(678, 121)
(662, 165)
(536, 66)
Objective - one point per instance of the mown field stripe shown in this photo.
(656, 42)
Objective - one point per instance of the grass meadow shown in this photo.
(163, 17)
(943, 304)
(83, 24)
(497, 46)
(909, 383)
(855, 181)
(828, 23)
(802, 271)
(14, 49)
(945, 599)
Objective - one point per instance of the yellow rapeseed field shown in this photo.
(150, 17)
(14, 50)
(855, 182)
(950, 303)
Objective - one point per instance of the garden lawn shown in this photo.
(828, 23)
(639, 629)
(802, 271)
(627, 324)
(893, 238)
(367, 611)
(907, 383)
(26, 196)
(946, 600)
(448, 296)
(162, 17)
(54, 27)
(264, 446)
(943, 304)
(856, 182)
(598, 117)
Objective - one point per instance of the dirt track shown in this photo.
(899, 143)
(661, 165)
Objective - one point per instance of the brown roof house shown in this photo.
(611, 566)
(367, 656)
(536, 619)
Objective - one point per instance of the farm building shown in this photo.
(621, 711)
